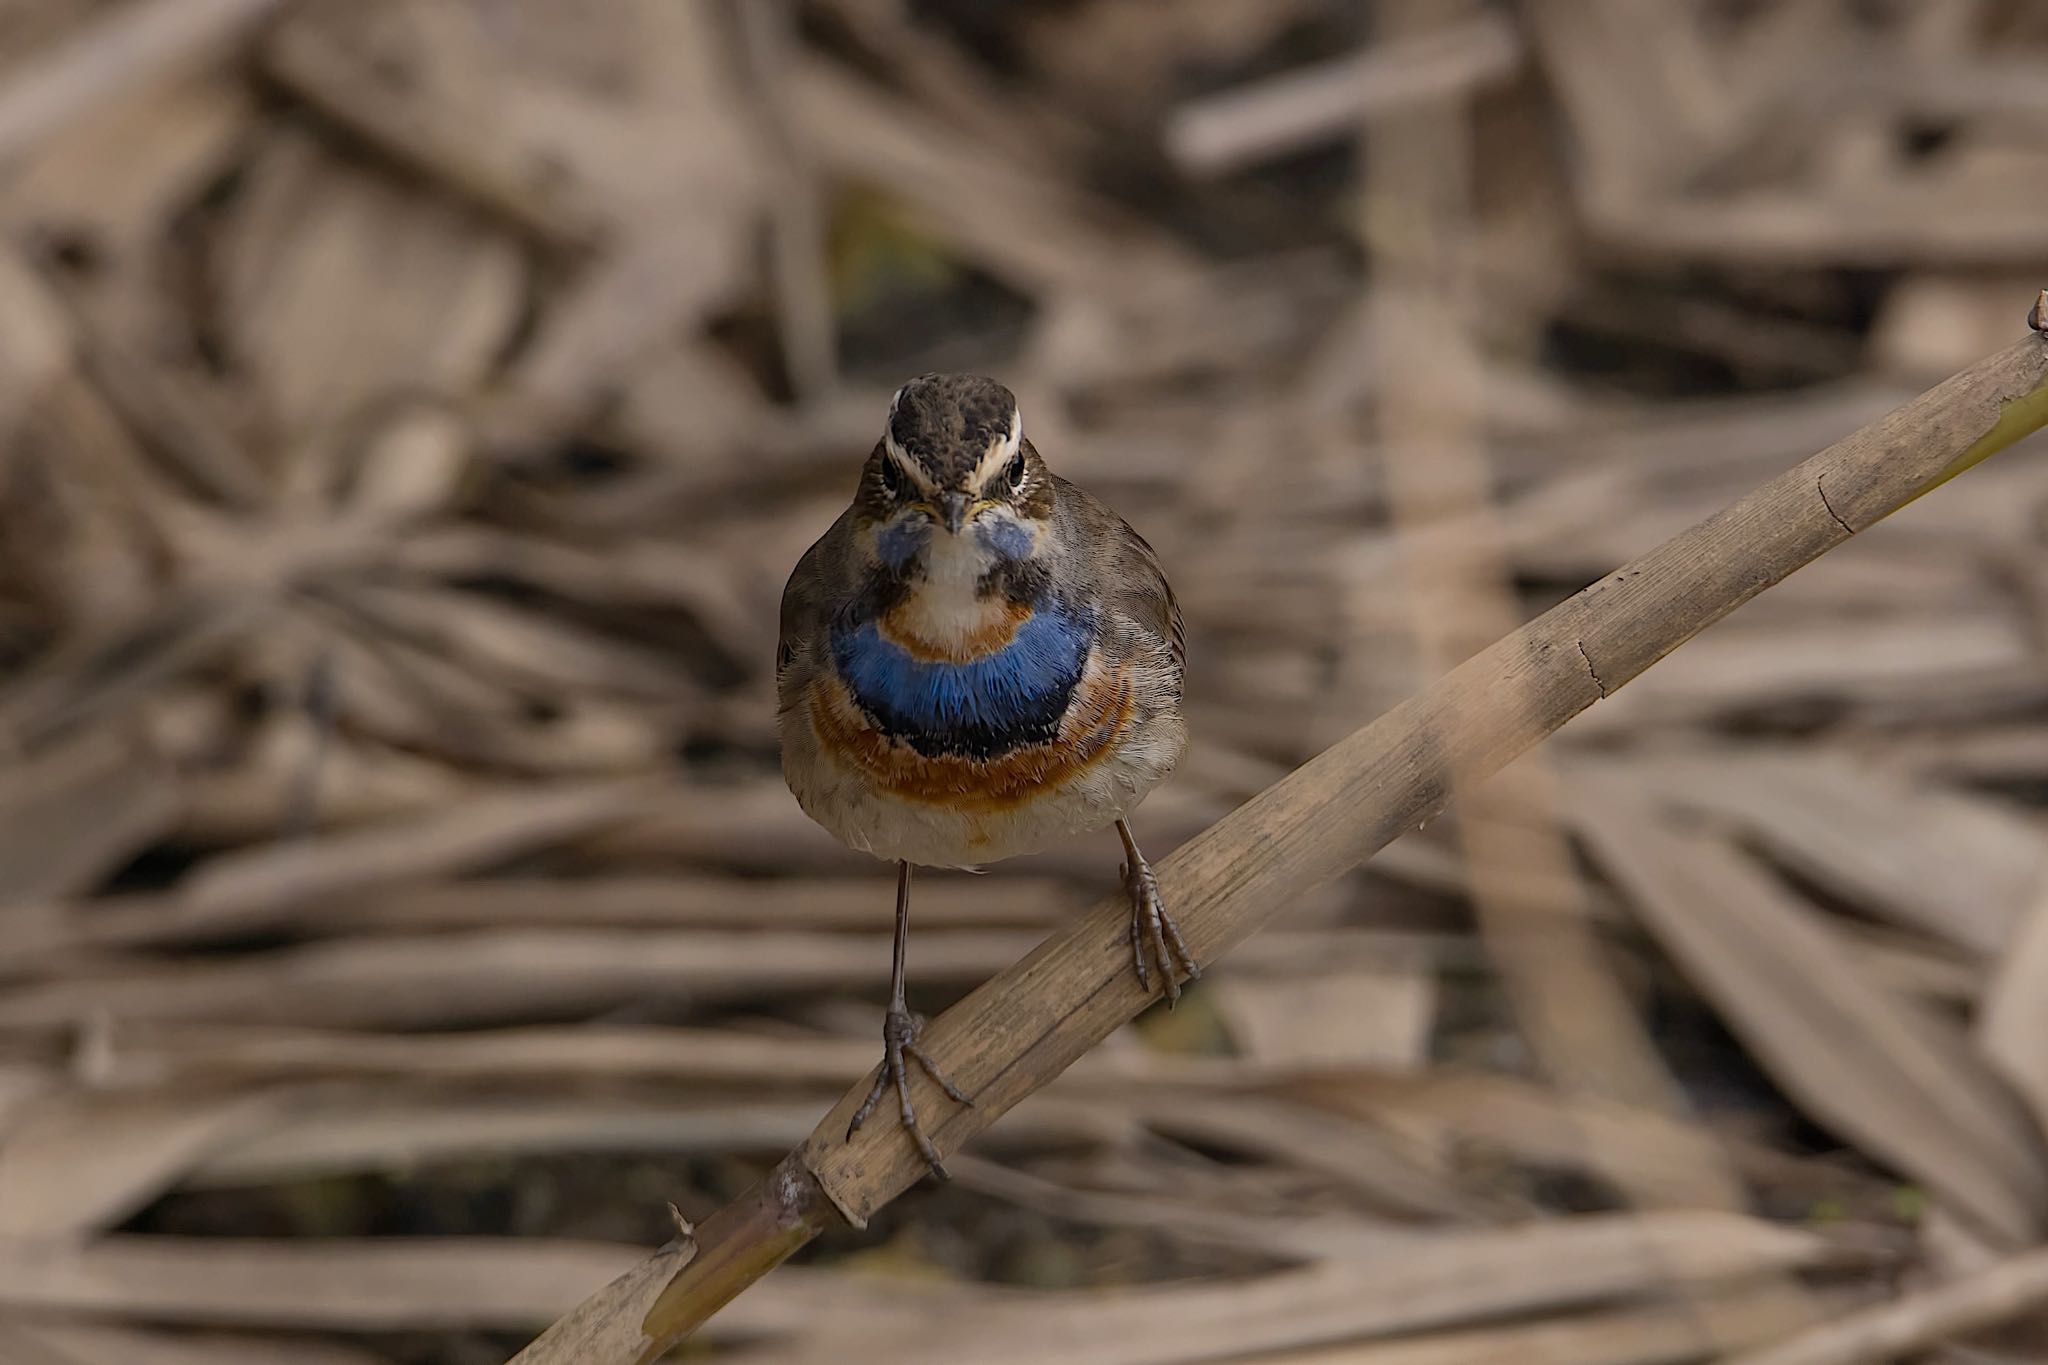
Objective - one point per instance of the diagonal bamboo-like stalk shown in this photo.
(1028, 1023)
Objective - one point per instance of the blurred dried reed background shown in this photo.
(412, 409)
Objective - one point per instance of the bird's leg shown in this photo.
(899, 1041)
(1155, 938)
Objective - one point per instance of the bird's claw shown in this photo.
(899, 1041)
(1155, 938)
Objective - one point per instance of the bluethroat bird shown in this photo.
(978, 659)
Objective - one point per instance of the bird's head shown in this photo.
(953, 477)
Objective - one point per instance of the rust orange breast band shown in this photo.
(1100, 714)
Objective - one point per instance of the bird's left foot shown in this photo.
(899, 1042)
(1155, 938)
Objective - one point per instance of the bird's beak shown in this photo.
(953, 510)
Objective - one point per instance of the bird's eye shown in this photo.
(1013, 473)
(893, 480)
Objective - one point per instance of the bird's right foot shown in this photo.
(1154, 935)
(899, 1048)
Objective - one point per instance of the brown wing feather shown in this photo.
(803, 609)
(1163, 605)
(1126, 572)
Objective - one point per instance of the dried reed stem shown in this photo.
(1029, 1023)
(1981, 1299)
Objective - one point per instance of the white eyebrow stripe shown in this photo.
(904, 462)
(1003, 451)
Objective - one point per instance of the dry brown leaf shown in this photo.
(173, 412)
(1874, 1067)
(116, 518)
(622, 309)
(342, 288)
(263, 885)
(21, 1086)
(1041, 233)
(445, 979)
(1433, 1280)
(76, 813)
(700, 902)
(1176, 1208)
(364, 75)
(350, 1132)
(1985, 1298)
(1369, 1018)
(36, 345)
(510, 645)
(117, 174)
(1663, 1334)
(147, 1055)
(384, 1284)
(656, 573)
(74, 1162)
(412, 466)
(643, 109)
(152, 1055)
(116, 664)
(412, 981)
(1401, 1179)
(1474, 1117)
(345, 1131)
(1892, 224)
(1959, 867)
(117, 52)
(1744, 665)
(1644, 97)
(77, 1344)
(359, 783)
(2012, 1019)
(1306, 105)
(1932, 317)
(1098, 54)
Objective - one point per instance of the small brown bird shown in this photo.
(977, 660)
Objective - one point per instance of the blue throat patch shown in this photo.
(902, 541)
(982, 708)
